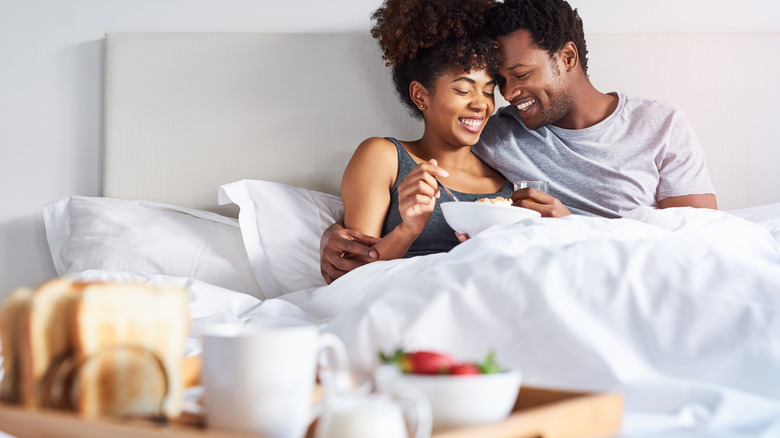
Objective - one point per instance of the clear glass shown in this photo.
(541, 185)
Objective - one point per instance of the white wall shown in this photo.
(51, 82)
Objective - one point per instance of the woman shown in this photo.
(444, 70)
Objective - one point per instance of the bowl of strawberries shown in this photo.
(461, 393)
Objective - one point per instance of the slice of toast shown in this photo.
(190, 371)
(122, 380)
(42, 336)
(119, 332)
(14, 304)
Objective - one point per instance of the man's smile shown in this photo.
(525, 105)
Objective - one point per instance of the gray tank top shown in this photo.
(437, 236)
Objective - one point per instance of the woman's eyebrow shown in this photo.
(464, 78)
(472, 81)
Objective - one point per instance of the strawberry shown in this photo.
(432, 362)
(465, 369)
(420, 362)
(426, 362)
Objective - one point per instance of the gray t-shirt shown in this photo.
(643, 152)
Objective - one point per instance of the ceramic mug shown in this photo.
(260, 379)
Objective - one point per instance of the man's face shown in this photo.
(531, 80)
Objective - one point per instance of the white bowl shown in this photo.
(474, 217)
(462, 401)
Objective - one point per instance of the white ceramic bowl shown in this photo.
(473, 217)
(462, 401)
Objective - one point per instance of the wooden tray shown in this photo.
(538, 413)
(549, 413)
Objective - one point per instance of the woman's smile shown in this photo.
(472, 124)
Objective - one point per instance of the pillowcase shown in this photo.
(766, 215)
(282, 226)
(146, 238)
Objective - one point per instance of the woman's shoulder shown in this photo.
(375, 159)
(377, 148)
(379, 143)
(375, 152)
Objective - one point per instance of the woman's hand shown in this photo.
(462, 237)
(535, 199)
(417, 195)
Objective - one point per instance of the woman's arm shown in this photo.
(366, 184)
(365, 189)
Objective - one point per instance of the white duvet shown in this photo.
(678, 310)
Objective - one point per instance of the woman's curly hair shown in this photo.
(422, 40)
(551, 23)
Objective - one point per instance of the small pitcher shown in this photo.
(372, 410)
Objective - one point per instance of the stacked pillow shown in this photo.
(146, 239)
(274, 251)
(282, 226)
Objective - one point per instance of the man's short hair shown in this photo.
(551, 23)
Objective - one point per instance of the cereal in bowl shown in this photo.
(499, 200)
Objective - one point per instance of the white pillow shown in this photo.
(717, 227)
(146, 239)
(766, 215)
(282, 227)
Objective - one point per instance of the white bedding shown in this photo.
(678, 309)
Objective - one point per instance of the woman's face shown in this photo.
(459, 106)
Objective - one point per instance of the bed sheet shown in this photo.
(678, 310)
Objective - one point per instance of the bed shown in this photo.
(223, 155)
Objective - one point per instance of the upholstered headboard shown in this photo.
(185, 113)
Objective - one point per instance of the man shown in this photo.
(603, 153)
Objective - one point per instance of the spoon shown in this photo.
(446, 190)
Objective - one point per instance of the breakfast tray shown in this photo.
(538, 412)
(549, 413)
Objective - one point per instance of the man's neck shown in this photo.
(589, 107)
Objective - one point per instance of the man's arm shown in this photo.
(684, 168)
(707, 200)
(342, 250)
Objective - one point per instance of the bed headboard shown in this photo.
(185, 113)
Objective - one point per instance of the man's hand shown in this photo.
(342, 250)
(535, 199)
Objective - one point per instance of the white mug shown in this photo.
(260, 379)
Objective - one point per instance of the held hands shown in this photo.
(535, 199)
(417, 195)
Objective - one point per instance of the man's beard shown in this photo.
(558, 107)
(550, 114)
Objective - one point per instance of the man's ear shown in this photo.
(419, 95)
(570, 56)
